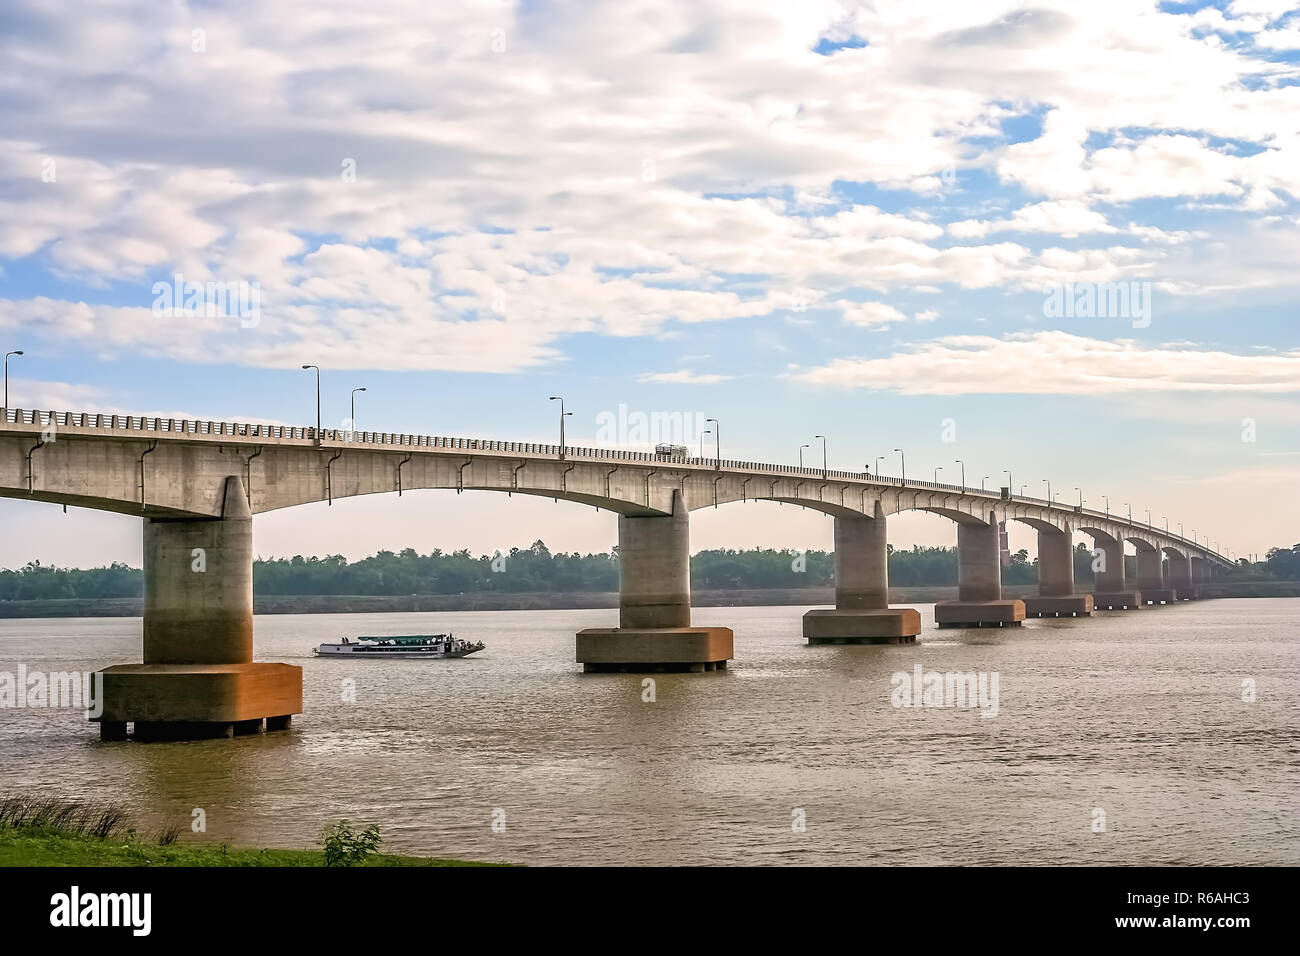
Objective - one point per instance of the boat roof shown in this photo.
(402, 638)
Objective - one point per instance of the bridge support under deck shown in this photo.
(1180, 577)
(198, 678)
(1110, 590)
(1151, 578)
(862, 614)
(654, 604)
(1056, 596)
(979, 582)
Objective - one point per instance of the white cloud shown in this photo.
(684, 377)
(1058, 363)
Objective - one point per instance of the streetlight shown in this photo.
(902, 459)
(1007, 472)
(1166, 517)
(1022, 490)
(879, 459)
(962, 462)
(354, 407)
(801, 448)
(1180, 530)
(563, 413)
(707, 431)
(937, 469)
(717, 443)
(317, 368)
(1148, 517)
(5, 406)
(823, 438)
(1048, 482)
(982, 480)
(1080, 491)
(1107, 497)
(1130, 512)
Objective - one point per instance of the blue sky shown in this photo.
(798, 219)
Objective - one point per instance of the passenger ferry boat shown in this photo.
(427, 646)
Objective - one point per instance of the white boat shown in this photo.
(426, 646)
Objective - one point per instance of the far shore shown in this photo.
(546, 600)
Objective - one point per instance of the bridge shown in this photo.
(198, 484)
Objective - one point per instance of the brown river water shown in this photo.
(793, 756)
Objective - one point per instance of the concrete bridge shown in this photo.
(198, 484)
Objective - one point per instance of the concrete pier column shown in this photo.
(654, 605)
(1180, 576)
(198, 678)
(1200, 573)
(1151, 578)
(654, 569)
(1151, 569)
(1056, 597)
(862, 614)
(198, 589)
(1111, 591)
(979, 562)
(1109, 558)
(979, 581)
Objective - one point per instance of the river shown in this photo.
(1120, 739)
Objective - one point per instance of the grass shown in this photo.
(53, 832)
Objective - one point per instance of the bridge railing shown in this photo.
(182, 426)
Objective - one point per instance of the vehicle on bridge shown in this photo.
(664, 450)
(423, 646)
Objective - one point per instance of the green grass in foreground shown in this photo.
(52, 847)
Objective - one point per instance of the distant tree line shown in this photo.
(536, 568)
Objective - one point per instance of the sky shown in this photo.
(1058, 239)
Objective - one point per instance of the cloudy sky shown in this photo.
(881, 222)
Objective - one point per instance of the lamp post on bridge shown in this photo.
(1148, 517)
(563, 415)
(1180, 530)
(1048, 482)
(707, 431)
(937, 469)
(823, 438)
(879, 459)
(1166, 517)
(1107, 497)
(902, 460)
(962, 462)
(5, 406)
(717, 443)
(1080, 491)
(982, 480)
(353, 419)
(317, 368)
(801, 448)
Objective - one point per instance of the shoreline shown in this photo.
(545, 600)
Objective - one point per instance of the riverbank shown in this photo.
(546, 600)
(21, 848)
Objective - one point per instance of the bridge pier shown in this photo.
(979, 581)
(654, 630)
(198, 678)
(862, 614)
(1056, 597)
(1110, 590)
(1151, 578)
(1180, 576)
